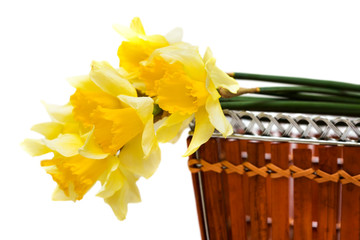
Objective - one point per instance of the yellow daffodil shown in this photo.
(139, 46)
(185, 85)
(104, 134)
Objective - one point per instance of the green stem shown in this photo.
(297, 81)
(273, 105)
(315, 97)
(304, 89)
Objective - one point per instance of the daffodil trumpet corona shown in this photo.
(110, 129)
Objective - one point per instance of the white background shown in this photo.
(44, 42)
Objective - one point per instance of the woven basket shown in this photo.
(280, 177)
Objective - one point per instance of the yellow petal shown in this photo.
(59, 195)
(66, 144)
(128, 193)
(126, 32)
(142, 105)
(186, 54)
(148, 137)
(115, 127)
(75, 175)
(172, 126)
(217, 117)
(137, 26)
(109, 80)
(218, 77)
(202, 133)
(91, 149)
(133, 158)
(60, 113)
(174, 36)
(83, 82)
(85, 103)
(35, 147)
(113, 183)
(49, 130)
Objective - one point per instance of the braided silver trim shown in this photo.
(298, 128)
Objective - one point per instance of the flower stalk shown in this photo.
(291, 106)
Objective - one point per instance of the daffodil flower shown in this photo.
(139, 46)
(185, 85)
(104, 134)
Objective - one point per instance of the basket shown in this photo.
(279, 177)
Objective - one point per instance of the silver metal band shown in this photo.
(296, 128)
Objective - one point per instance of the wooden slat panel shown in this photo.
(350, 207)
(257, 193)
(328, 203)
(234, 193)
(213, 193)
(302, 197)
(196, 184)
(280, 193)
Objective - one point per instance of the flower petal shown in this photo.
(142, 105)
(174, 36)
(128, 193)
(217, 117)
(203, 131)
(126, 32)
(91, 149)
(59, 195)
(133, 158)
(137, 26)
(49, 130)
(83, 82)
(115, 127)
(217, 76)
(109, 80)
(172, 126)
(113, 183)
(35, 147)
(66, 144)
(60, 113)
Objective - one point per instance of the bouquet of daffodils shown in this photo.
(110, 129)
